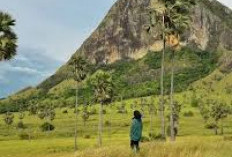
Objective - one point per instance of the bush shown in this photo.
(194, 102)
(210, 125)
(157, 137)
(41, 115)
(65, 111)
(188, 114)
(229, 90)
(145, 139)
(93, 111)
(25, 136)
(103, 111)
(47, 127)
(75, 111)
(21, 125)
(107, 123)
(87, 136)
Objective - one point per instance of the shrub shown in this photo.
(25, 136)
(157, 137)
(194, 102)
(87, 136)
(21, 125)
(210, 125)
(229, 90)
(145, 139)
(93, 111)
(107, 123)
(188, 114)
(103, 111)
(75, 111)
(47, 127)
(218, 77)
(65, 111)
(41, 115)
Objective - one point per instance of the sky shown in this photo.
(49, 32)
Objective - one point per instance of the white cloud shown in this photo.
(227, 3)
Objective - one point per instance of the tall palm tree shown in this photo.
(157, 17)
(103, 92)
(175, 20)
(80, 72)
(179, 20)
(8, 38)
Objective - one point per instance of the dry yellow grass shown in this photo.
(184, 148)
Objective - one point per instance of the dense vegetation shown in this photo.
(131, 79)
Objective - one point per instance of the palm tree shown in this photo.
(103, 93)
(80, 72)
(178, 14)
(155, 14)
(175, 19)
(8, 38)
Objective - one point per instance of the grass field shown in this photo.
(194, 140)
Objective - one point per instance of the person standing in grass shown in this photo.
(136, 131)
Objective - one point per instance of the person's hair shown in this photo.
(137, 115)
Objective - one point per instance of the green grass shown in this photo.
(60, 142)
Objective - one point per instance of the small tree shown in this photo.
(47, 112)
(85, 115)
(20, 124)
(219, 111)
(103, 93)
(205, 112)
(33, 108)
(9, 119)
(216, 111)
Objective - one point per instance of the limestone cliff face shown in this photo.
(122, 34)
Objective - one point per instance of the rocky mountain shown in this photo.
(122, 33)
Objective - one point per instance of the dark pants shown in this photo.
(134, 145)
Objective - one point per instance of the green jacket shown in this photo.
(136, 130)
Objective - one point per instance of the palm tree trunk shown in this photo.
(100, 125)
(171, 101)
(216, 129)
(151, 120)
(222, 129)
(76, 116)
(110, 126)
(162, 87)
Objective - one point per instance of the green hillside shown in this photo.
(132, 78)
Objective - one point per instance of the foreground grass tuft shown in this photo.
(192, 148)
